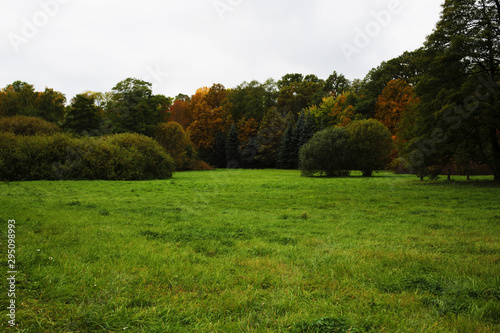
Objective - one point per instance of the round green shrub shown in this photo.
(326, 154)
(28, 126)
(370, 146)
(141, 158)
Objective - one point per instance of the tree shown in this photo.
(394, 100)
(216, 96)
(247, 128)
(297, 93)
(249, 154)
(305, 128)
(207, 124)
(252, 100)
(175, 140)
(336, 85)
(287, 155)
(406, 67)
(20, 98)
(181, 112)
(134, 108)
(217, 155)
(459, 90)
(83, 116)
(370, 145)
(270, 134)
(340, 110)
(326, 153)
(233, 148)
(294, 138)
(50, 105)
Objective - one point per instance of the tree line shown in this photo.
(440, 104)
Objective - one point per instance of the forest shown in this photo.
(439, 103)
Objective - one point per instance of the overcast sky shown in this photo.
(181, 45)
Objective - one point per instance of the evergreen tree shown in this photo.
(286, 150)
(308, 128)
(232, 148)
(270, 135)
(249, 154)
(218, 152)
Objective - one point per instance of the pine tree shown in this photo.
(308, 129)
(232, 148)
(219, 151)
(286, 149)
(270, 135)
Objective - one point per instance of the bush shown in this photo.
(31, 157)
(326, 153)
(370, 146)
(141, 158)
(118, 157)
(29, 126)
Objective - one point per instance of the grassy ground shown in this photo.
(255, 251)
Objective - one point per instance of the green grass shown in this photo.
(255, 251)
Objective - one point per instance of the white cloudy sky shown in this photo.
(181, 45)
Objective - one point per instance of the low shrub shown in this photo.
(117, 157)
(142, 157)
(29, 126)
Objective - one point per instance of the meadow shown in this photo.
(255, 251)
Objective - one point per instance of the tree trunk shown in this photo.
(496, 153)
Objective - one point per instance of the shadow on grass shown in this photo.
(465, 183)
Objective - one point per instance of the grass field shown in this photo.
(254, 251)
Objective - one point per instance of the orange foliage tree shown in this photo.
(210, 116)
(181, 112)
(247, 128)
(395, 99)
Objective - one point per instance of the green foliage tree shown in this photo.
(370, 145)
(336, 84)
(50, 105)
(20, 98)
(297, 93)
(176, 142)
(459, 90)
(134, 108)
(326, 154)
(83, 116)
(252, 100)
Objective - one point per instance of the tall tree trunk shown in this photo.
(495, 153)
